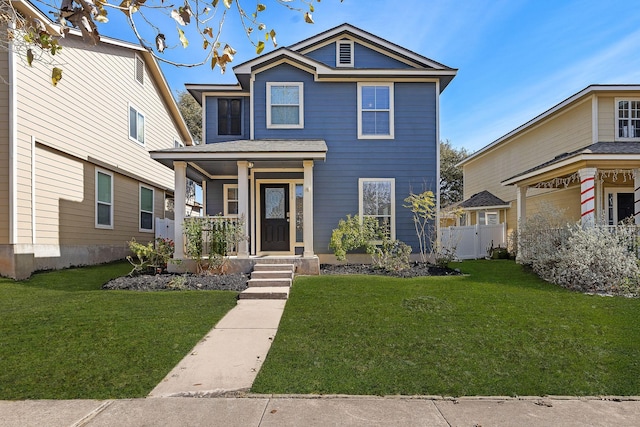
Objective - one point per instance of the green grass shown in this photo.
(62, 337)
(497, 331)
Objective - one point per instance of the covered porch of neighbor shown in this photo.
(264, 185)
(603, 182)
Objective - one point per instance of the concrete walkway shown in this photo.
(229, 357)
(267, 411)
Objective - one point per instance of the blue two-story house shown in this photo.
(343, 123)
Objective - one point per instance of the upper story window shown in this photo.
(375, 110)
(344, 53)
(139, 71)
(229, 116)
(377, 196)
(628, 119)
(136, 125)
(285, 105)
(104, 199)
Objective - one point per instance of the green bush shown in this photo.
(152, 257)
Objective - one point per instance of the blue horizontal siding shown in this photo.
(363, 57)
(211, 120)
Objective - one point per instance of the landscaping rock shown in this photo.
(179, 282)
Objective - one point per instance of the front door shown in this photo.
(625, 206)
(274, 217)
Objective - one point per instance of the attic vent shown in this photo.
(344, 53)
(139, 70)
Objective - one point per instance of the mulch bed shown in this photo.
(238, 282)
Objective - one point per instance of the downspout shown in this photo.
(437, 184)
(13, 146)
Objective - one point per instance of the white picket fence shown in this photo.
(472, 242)
(165, 228)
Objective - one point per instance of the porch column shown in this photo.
(243, 204)
(179, 207)
(307, 209)
(587, 196)
(636, 196)
(521, 200)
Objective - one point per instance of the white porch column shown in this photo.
(243, 204)
(587, 196)
(521, 200)
(307, 208)
(636, 196)
(179, 207)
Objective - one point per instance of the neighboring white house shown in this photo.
(76, 178)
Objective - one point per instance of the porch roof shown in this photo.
(483, 200)
(208, 160)
(627, 154)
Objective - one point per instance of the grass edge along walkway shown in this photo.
(62, 337)
(497, 331)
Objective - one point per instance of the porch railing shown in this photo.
(209, 234)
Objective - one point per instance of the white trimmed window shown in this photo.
(146, 209)
(344, 53)
(375, 110)
(628, 119)
(285, 105)
(136, 125)
(104, 199)
(139, 69)
(177, 143)
(487, 218)
(377, 200)
(230, 199)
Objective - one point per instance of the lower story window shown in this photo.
(146, 208)
(487, 218)
(230, 199)
(104, 199)
(377, 196)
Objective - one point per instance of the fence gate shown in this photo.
(472, 242)
(165, 228)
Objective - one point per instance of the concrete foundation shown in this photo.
(303, 265)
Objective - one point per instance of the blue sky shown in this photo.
(516, 58)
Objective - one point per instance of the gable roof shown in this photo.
(483, 199)
(27, 8)
(418, 66)
(577, 97)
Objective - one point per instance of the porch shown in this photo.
(268, 184)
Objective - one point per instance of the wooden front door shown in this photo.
(274, 218)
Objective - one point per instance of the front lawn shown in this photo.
(62, 337)
(497, 331)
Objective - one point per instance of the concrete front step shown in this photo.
(274, 267)
(278, 292)
(269, 274)
(261, 283)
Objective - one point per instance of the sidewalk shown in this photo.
(312, 411)
(229, 357)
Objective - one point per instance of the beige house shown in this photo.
(76, 178)
(581, 156)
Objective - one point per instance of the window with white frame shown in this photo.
(136, 125)
(487, 218)
(146, 208)
(375, 110)
(344, 53)
(628, 119)
(104, 199)
(177, 143)
(377, 196)
(230, 199)
(139, 71)
(285, 105)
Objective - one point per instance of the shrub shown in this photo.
(391, 255)
(353, 234)
(590, 259)
(423, 208)
(151, 257)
